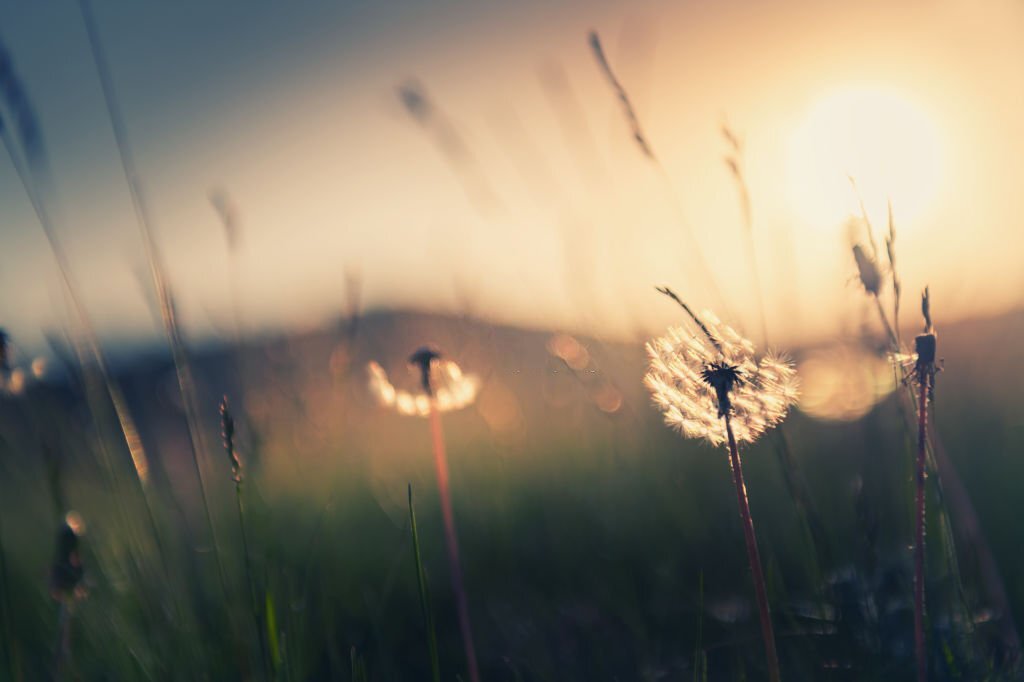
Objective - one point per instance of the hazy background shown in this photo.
(552, 218)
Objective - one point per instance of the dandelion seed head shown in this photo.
(451, 388)
(695, 376)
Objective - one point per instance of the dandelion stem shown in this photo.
(919, 529)
(462, 604)
(754, 558)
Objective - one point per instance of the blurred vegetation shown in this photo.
(597, 545)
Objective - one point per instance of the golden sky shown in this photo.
(549, 215)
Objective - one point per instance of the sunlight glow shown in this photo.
(843, 383)
(883, 140)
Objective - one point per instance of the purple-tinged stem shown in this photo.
(919, 530)
(767, 632)
(462, 603)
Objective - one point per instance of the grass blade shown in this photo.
(421, 581)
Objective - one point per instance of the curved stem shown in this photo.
(462, 603)
(919, 530)
(754, 558)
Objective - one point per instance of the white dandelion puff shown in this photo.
(685, 366)
(451, 388)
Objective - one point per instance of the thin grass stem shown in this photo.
(167, 312)
(421, 583)
(251, 583)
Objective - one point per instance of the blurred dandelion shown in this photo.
(452, 390)
(709, 384)
(445, 388)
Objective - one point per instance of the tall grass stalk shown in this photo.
(186, 384)
(28, 174)
(700, 657)
(424, 594)
(228, 433)
(647, 150)
(734, 161)
(793, 477)
(9, 642)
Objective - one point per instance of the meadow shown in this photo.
(405, 495)
(595, 545)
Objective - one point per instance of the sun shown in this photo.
(883, 140)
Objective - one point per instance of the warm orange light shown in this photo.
(884, 141)
(843, 383)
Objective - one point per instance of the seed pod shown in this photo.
(867, 270)
(227, 423)
(422, 358)
(67, 571)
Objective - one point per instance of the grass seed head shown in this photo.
(867, 270)
(227, 424)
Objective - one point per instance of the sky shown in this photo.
(517, 193)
